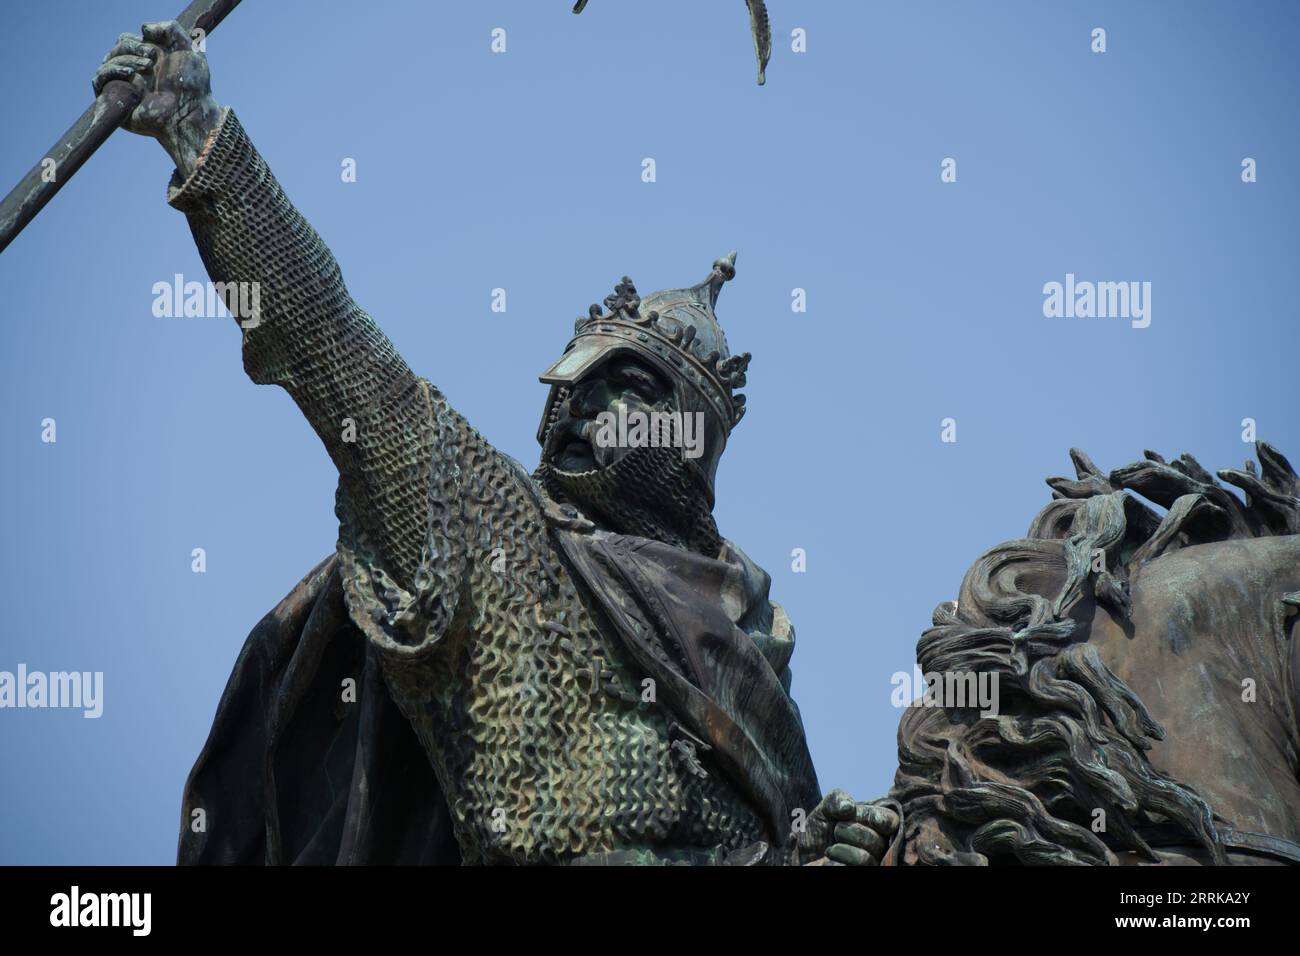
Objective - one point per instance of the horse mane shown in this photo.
(1070, 737)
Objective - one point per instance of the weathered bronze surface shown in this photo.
(1147, 667)
(114, 101)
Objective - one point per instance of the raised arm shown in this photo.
(376, 418)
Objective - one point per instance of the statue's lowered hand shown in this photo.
(176, 107)
(845, 831)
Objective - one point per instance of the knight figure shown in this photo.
(571, 666)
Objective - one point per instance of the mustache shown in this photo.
(564, 428)
(567, 428)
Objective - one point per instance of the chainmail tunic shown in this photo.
(523, 699)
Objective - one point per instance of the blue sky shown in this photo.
(522, 171)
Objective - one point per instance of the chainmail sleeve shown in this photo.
(394, 439)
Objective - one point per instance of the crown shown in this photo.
(679, 327)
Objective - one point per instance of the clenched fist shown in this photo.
(845, 831)
(176, 105)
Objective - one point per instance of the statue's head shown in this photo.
(641, 404)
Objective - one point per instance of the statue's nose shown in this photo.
(583, 402)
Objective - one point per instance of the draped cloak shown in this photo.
(292, 774)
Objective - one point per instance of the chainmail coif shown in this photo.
(651, 492)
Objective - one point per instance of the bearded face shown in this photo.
(644, 490)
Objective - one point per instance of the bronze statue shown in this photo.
(572, 666)
(1147, 669)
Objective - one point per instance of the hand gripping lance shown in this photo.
(113, 105)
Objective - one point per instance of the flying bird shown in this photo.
(758, 25)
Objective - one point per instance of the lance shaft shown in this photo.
(113, 105)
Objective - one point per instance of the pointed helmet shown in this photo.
(676, 332)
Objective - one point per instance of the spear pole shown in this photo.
(113, 105)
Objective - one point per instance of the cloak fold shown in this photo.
(298, 770)
(718, 651)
